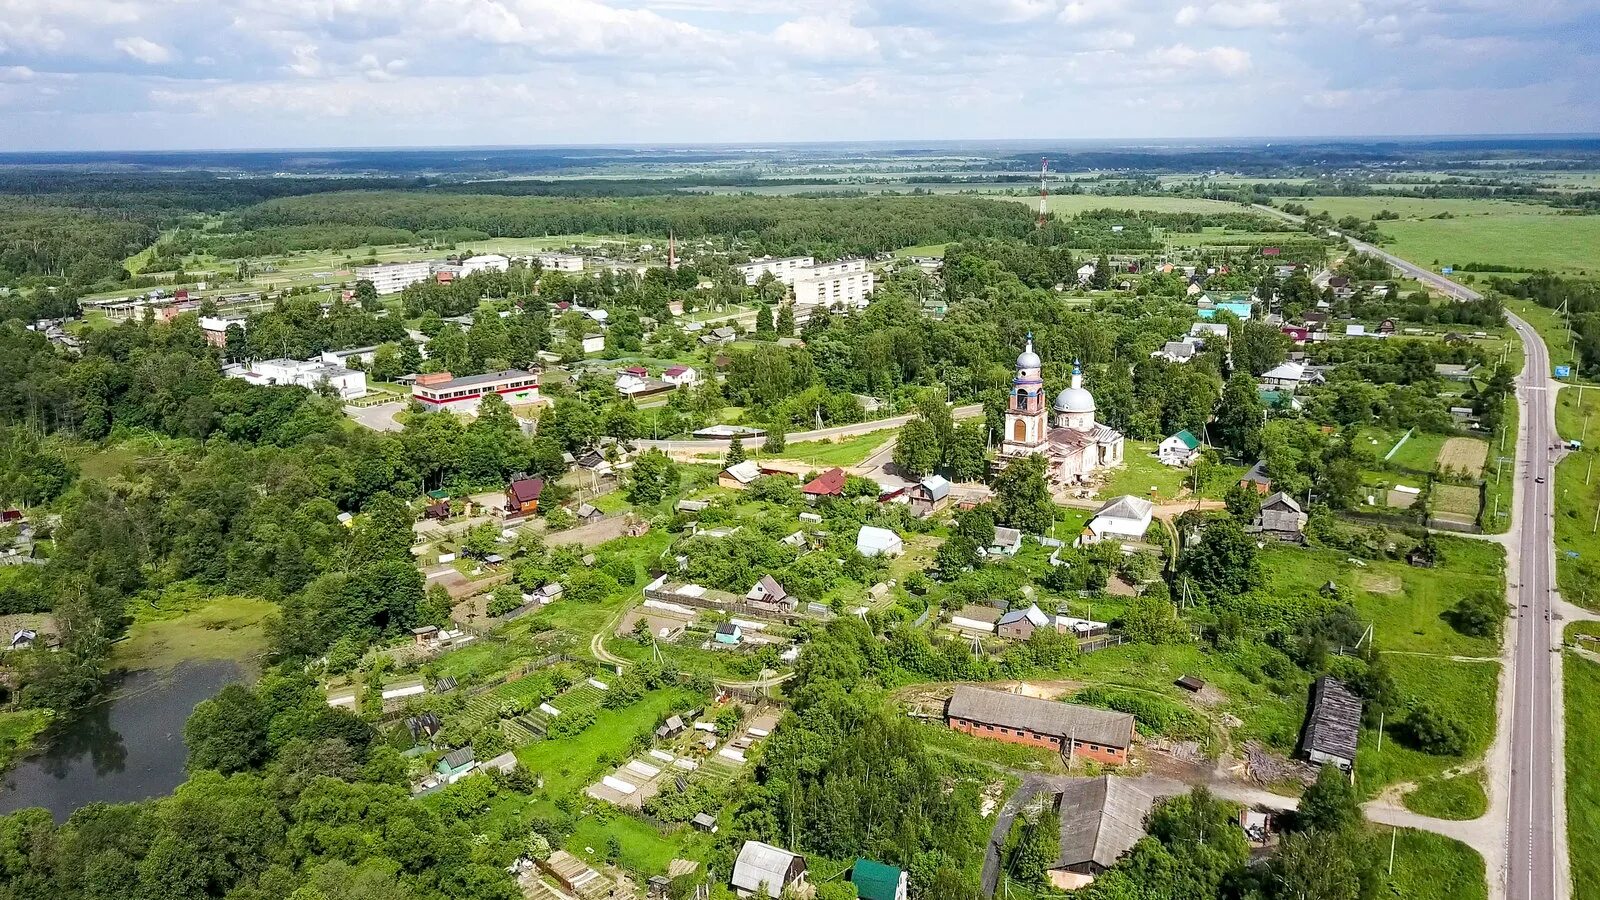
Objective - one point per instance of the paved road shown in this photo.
(1532, 830)
(380, 417)
(821, 434)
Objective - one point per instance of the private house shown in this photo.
(874, 541)
(1101, 819)
(718, 336)
(1085, 272)
(739, 476)
(1177, 351)
(522, 495)
(1257, 479)
(1122, 518)
(1285, 377)
(1281, 517)
(1020, 624)
(975, 618)
(1454, 371)
(1207, 330)
(769, 594)
(1006, 542)
(456, 765)
(876, 881)
(730, 634)
(671, 728)
(1333, 722)
(929, 496)
(1179, 450)
(680, 376)
(1096, 734)
(828, 484)
(765, 870)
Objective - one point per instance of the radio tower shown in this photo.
(1044, 165)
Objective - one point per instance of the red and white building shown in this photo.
(438, 390)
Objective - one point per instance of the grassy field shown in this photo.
(1501, 481)
(1582, 692)
(1461, 798)
(1141, 471)
(1072, 204)
(220, 628)
(1220, 237)
(1462, 691)
(922, 250)
(1419, 208)
(823, 454)
(1419, 452)
(1428, 866)
(17, 731)
(1577, 543)
(568, 764)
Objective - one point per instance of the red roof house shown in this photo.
(828, 484)
(522, 495)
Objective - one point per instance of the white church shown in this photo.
(1075, 445)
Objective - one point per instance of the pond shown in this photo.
(127, 748)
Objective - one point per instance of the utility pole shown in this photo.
(1394, 834)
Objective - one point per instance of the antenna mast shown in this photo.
(1044, 166)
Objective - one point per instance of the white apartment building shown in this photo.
(392, 278)
(785, 270)
(310, 374)
(848, 282)
(484, 263)
(560, 262)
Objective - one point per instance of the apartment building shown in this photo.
(847, 282)
(487, 262)
(785, 270)
(392, 278)
(560, 262)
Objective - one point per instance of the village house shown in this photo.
(876, 881)
(770, 595)
(1257, 479)
(456, 765)
(1006, 542)
(1020, 624)
(1180, 450)
(522, 495)
(929, 496)
(730, 634)
(1081, 731)
(1177, 351)
(828, 484)
(1121, 518)
(874, 541)
(1285, 377)
(739, 475)
(1281, 517)
(681, 376)
(1101, 819)
(765, 869)
(975, 618)
(1333, 723)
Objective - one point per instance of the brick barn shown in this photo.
(1097, 734)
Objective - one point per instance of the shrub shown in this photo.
(1154, 715)
(1431, 731)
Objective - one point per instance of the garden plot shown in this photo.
(1457, 503)
(1465, 455)
(637, 780)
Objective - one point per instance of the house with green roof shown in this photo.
(876, 881)
(1179, 450)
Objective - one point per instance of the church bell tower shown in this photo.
(1026, 426)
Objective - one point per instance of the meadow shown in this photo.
(1582, 693)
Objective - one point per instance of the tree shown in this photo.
(1023, 496)
(966, 457)
(955, 556)
(1223, 563)
(1239, 416)
(1330, 804)
(1101, 279)
(735, 452)
(1258, 346)
(653, 477)
(1432, 731)
(916, 453)
(1243, 502)
(227, 733)
(776, 438)
(976, 523)
(785, 323)
(1038, 848)
(1478, 614)
(1153, 619)
(366, 295)
(764, 319)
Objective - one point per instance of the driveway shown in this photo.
(377, 418)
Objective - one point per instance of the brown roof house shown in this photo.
(769, 595)
(828, 484)
(1097, 734)
(1101, 819)
(1333, 724)
(522, 495)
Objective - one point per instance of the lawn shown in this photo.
(922, 250)
(1462, 691)
(849, 451)
(1428, 866)
(1461, 798)
(1418, 453)
(185, 628)
(568, 764)
(1582, 698)
(1141, 471)
(17, 731)
(1577, 543)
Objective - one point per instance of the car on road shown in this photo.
(1539, 480)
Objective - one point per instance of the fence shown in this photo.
(1101, 643)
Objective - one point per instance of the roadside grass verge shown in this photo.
(1461, 798)
(1428, 866)
(1463, 692)
(1500, 484)
(1581, 679)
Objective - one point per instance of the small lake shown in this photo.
(127, 748)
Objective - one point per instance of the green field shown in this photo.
(1577, 542)
(1072, 204)
(1463, 691)
(1419, 452)
(221, 628)
(1428, 866)
(568, 764)
(823, 454)
(1460, 798)
(1582, 698)
(1419, 208)
(1141, 471)
(922, 250)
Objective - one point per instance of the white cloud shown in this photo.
(1227, 61)
(818, 39)
(16, 73)
(1243, 14)
(144, 50)
(304, 61)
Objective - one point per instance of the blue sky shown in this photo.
(175, 74)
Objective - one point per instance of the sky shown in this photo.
(218, 74)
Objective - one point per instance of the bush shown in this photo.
(1154, 715)
(1434, 732)
(569, 724)
(1478, 615)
